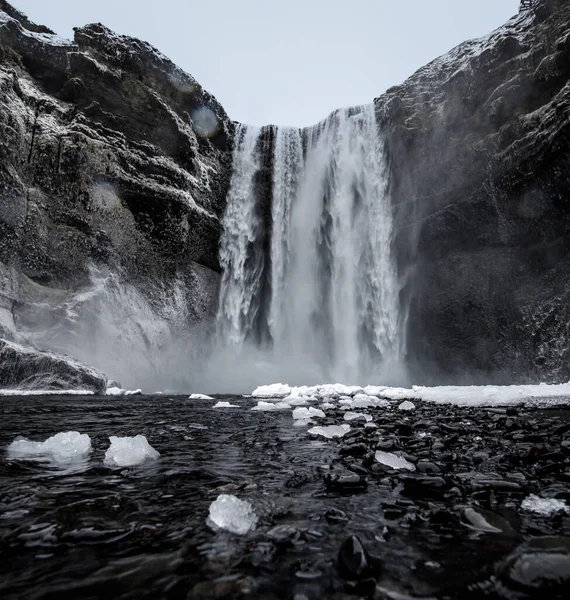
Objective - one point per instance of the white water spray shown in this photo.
(333, 299)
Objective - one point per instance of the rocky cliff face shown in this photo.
(479, 145)
(114, 167)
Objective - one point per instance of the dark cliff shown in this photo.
(479, 148)
(112, 160)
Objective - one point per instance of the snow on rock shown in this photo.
(275, 390)
(407, 405)
(393, 461)
(307, 413)
(200, 397)
(331, 431)
(62, 447)
(225, 405)
(129, 451)
(352, 416)
(232, 514)
(538, 396)
(544, 506)
(271, 406)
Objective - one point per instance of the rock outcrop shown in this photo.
(25, 369)
(114, 163)
(479, 145)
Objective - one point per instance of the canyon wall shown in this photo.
(114, 168)
(479, 146)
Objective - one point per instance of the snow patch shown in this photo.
(129, 451)
(232, 514)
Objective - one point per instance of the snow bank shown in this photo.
(232, 514)
(544, 506)
(331, 431)
(129, 451)
(200, 397)
(541, 395)
(62, 447)
(393, 461)
(46, 393)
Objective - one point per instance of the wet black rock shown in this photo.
(345, 482)
(540, 567)
(25, 368)
(353, 561)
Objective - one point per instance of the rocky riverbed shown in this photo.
(428, 502)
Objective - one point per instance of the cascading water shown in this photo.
(333, 298)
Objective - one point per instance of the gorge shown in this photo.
(423, 238)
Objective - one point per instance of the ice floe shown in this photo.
(225, 405)
(115, 391)
(129, 451)
(307, 413)
(352, 416)
(393, 461)
(232, 514)
(275, 390)
(62, 447)
(200, 397)
(331, 431)
(271, 406)
(544, 506)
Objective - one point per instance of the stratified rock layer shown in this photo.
(479, 143)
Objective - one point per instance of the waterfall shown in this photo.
(333, 294)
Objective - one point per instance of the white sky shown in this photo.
(287, 62)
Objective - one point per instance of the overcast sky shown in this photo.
(287, 62)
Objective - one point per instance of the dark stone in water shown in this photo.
(540, 566)
(345, 482)
(353, 561)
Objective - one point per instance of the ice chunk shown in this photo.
(364, 401)
(544, 506)
(293, 401)
(232, 514)
(331, 431)
(62, 447)
(129, 451)
(116, 391)
(393, 461)
(352, 416)
(307, 413)
(374, 390)
(275, 390)
(327, 406)
(225, 405)
(271, 406)
(200, 397)
(407, 405)
(133, 392)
